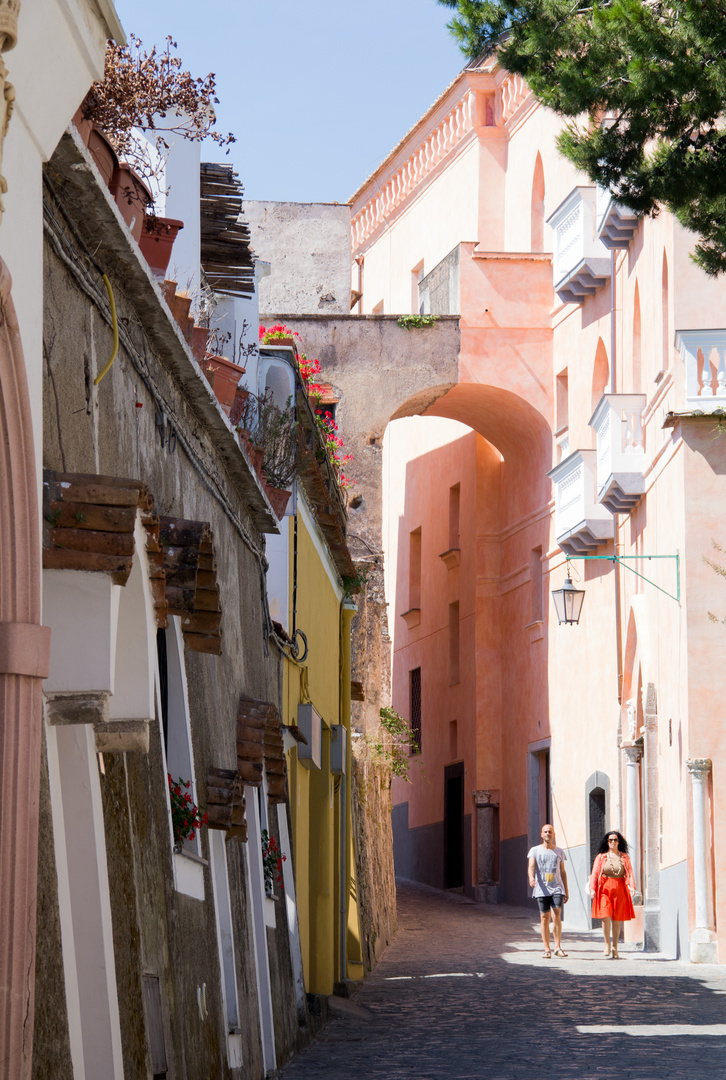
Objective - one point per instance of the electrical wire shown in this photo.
(71, 258)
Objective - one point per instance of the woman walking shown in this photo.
(612, 886)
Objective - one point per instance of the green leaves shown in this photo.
(644, 84)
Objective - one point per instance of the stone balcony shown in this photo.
(704, 354)
(581, 261)
(615, 223)
(620, 459)
(582, 524)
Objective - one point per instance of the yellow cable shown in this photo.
(114, 321)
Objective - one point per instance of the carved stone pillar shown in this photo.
(487, 844)
(702, 940)
(651, 825)
(633, 755)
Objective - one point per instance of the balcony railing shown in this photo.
(616, 224)
(620, 451)
(581, 262)
(582, 524)
(704, 354)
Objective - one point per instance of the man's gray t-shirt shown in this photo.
(547, 863)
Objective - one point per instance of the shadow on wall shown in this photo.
(468, 648)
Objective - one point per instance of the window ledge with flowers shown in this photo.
(272, 860)
(186, 817)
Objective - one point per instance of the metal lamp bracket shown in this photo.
(622, 560)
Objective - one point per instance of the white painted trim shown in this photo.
(188, 876)
(85, 903)
(256, 889)
(306, 516)
(293, 928)
(225, 945)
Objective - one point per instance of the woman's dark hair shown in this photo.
(622, 842)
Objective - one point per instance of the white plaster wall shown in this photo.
(444, 214)
(277, 550)
(82, 611)
(60, 52)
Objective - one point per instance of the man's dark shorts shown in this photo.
(547, 902)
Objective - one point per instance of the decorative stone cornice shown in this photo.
(699, 767)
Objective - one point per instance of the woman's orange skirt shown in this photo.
(612, 900)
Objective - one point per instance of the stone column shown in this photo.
(633, 754)
(702, 939)
(487, 839)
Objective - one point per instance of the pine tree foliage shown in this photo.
(643, 84)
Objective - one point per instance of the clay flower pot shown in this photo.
(238, 404)
(100, 149)
(279, 499)
(223, 377)
(132, 198)
(157, 239)
(274, 342)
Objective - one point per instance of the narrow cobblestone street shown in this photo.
(463, 992)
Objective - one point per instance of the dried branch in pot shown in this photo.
(148, 92)
(275, 431)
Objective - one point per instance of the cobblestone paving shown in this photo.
(463, 993)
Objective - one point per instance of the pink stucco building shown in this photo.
(591, 377)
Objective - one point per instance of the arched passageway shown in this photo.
(466, 531)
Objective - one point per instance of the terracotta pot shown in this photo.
(280, 341)
(200, 336)
(103, 154)
(180, 305)
(132, 198)
(256, 455)
(238, 404)
(279, 499)
(157, 239)
(168, 289)
(223, 376)
(83, 127)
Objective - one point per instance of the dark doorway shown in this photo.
(454, 826)
(596, 824)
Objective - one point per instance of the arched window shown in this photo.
(665, 321)
(538, 207)
(600, 374)
(637, 372)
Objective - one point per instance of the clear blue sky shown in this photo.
(317, 92)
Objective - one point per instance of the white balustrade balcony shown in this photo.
(704, 354)
(615, 224)
(581, 261)
(582, 524)
(620, 460)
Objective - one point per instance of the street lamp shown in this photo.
(568, 603)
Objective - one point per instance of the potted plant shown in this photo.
(150, 93)
(132, 196)
(278, 335)
(272, 860)
(223, 376)
(157, 239)
(186, 817)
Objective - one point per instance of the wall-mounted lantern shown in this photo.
(568, 603)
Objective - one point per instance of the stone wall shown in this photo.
(308, 248)
(198, 472)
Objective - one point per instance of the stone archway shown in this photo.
(24, 655)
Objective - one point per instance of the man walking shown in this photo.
(548, 879)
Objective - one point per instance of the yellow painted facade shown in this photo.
(320, 801)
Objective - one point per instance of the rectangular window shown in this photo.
(415, 694)
(414, 569)
(562, 401)
(454, 503)
(535, 580)
(453, 643)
